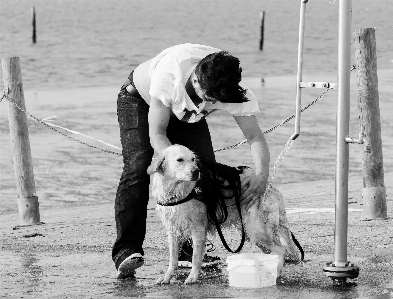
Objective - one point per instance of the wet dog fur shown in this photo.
(175, 174)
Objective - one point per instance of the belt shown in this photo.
(132, 90)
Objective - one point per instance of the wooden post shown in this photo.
(28, 206)
(262, 17)
(34, 35)
(374, 190)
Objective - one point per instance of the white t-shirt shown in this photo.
(169, 72)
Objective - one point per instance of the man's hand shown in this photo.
(253, 186)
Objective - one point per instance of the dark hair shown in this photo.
(219, 75)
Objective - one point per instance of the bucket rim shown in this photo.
(252, 257)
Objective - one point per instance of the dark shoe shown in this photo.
(126, 267)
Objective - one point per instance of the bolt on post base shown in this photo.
(339, 274)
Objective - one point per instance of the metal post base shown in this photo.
(339, 274)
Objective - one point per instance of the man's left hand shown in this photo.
(253, 186)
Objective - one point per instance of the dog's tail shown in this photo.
(298, 246)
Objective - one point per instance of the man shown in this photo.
(165, 101)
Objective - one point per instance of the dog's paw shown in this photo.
(191, 279)
(163, 280)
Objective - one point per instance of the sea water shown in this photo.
(98, 42)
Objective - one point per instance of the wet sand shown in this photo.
(70, 255)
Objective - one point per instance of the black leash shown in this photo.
(218, 174)
(298, 246)
(222, 238)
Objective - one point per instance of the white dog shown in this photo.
(175, 176)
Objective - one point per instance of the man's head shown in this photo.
(219, 75)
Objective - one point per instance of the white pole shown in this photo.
(342, 163)
(298, 107)
(340, 269)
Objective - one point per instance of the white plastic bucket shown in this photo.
(252, 270)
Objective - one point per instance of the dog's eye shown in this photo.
(193, 160)
(180, 160)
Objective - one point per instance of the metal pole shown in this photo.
(299, 69)
(344, 65)
(340, 269)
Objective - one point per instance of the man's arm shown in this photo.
(159, 116)
(260, 153)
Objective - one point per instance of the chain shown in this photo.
(279, 125)
(5, 96)
(285, 121)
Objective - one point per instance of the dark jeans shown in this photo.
(133, 191)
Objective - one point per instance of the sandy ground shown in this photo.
(70, 254)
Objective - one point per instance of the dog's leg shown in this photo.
(280, 251)
(198, 244)
(173, 259)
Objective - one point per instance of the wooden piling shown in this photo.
(261, 41)
(33, 16)
(374, 190)
(28, 206)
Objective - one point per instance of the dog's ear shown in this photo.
(157, 165)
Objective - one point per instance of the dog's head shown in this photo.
(177, 162)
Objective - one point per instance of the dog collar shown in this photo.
(193, 195)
